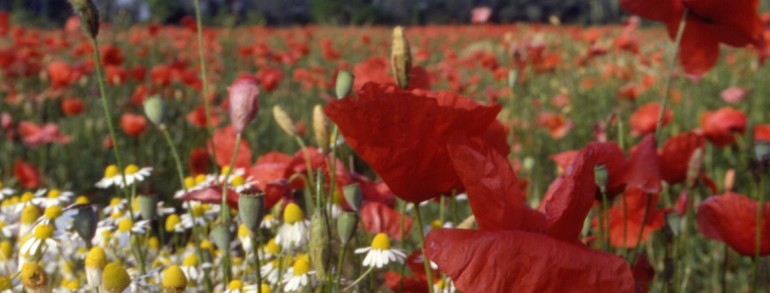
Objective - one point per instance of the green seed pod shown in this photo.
(148, 207)
(88, 14)
(284, 121)
(319, 242)
(353, 196)
(344, 84)
(85, 221)
(251, 208)
(600, 176)
(221, 236)
(346, 226)
(400, 57)
(155, 109)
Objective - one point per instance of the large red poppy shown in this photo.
(643, 170)
(377, 70)
(732, 218)
(645, 119)
(269, 173)
(675, 156)
(412, 129)
(708, 23)
(720, 126)
(380, 218)
(224, 139)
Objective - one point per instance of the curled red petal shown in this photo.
(570, 197)
(517, 261)
(675, 156)
(732, 218)
(643, 170)
(380, 218)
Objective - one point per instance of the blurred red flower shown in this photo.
(27, 175)
(377, 70)
(645, 119)
(643, 169)
(627, 216)
(721, 125)
(34, 135)
(197, 117)
(72, 106)
(732, 218)
(675, 156)
(133, 124)
(380, 218)
(762, 132)
(199, 161)
(224, 141)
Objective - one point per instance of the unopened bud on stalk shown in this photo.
(251, 208)
(319, 242)
(320, 128)
(346, 226)
(513, 76)
(353, 196)
(88, 14)
(344, 84)
(148, 208)
(115, 278)
(155, 109)
(600, 176)
(284, 121)
(244, 103)
(400, 57)
(85, 222)
(221, 236)
(174, 280)
(34, 278)
(694, 167)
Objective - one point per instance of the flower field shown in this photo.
(482, 158)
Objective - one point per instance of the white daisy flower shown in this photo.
(232, 175)
(198, 182)
(269, 222)
(42, 239)
(294, 231)
(444, 285)
(380, 253)
(134, 174)
(238, 286)
(111, 177)
(298, 275)
(192, 267)
(270, 271)
(54, 197)
(270, 249)
(5, 191)
(126, 226)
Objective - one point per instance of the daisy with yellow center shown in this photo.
(444, 285)
(134, 174)
(268, 222)
(233, 174)
(199, 215)
(270, 270)
(380, 253)
(174, 280)
(294, 231)
(198, 182)
(238, 286)
(42, 238)
(271, 249)
(124, 229)
(96, 260)
(115, 278)
(25, 200)
(174, 224)
(54, 197)
(244, 235)
(34, 278)
(239, 183)
(298, 275)
(111, 177)
(29, 215)
(192, 267)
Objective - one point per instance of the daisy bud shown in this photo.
(244, 104)
(88, 14)
(251, 208)
(148, 208)
(513, 76)
(344, 84)
(320, 128)
(174, 280)
(115, 279)
(319, 242)
(694, 167)
(400, 57)
(171, 221)
(85, 222)
(221, 236)
(353, 196)
(29, 214)
(347, 223)
(96, 259)
(600, 176)
(155, 109)
(762, 151)
(284, 121)
(34, 278)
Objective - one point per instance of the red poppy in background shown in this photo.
(721, 125)
(27, 175)
(72, 106)
(197, 117)
(412, 129)
(632, 212)
(133, 124)
(224, 141)
(675, 156)
(380, 218)
(762, 132)
(556, 124)
(60, 74)
(270, 78)
(645, 119)
(199, 161)
(377, 70)
(34, 135)
(607, 154)
(709, 23)
(269, 173)
(732, 218)
(643, 169)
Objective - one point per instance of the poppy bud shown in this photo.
(155, 109)
(762, 150)
(353, 196)
(88, 14)
(346, 226)
(251, 208)
(221, 236)
(319, 242)
(147, 207)
(320, 127)
(400, 57)
(513, 76)
(600, 176)
(284, 121)
(344, 84)
(673, 224)
(85, 222)
(34, 278)
(244, 104)
(694, 167)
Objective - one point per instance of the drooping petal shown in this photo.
(699, 48)
(643, 170)
(517, 261)
(732, 218)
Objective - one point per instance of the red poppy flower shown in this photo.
(224, 141)
(412, 129)
(161, 75)
(197, 117)
(27, 175)
(732, 218)
(628, 218)
(721, 125)
(59, 73)
(269, 173)
(33, 135)
(213, 195)
(645, 119)
(199, 161)
(373, 190)
(377, 70)
(133, 124)
(409, 285)
(675, 156)
(556, 124)
(72, 106)
(643, 169)
(709, 23)
(270, 78)
(380, 218)
(762, 132)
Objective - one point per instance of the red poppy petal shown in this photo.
(517, 261)
(699, 48)
(737, 24)
(570, 197)
(28, 175)
(643, 170)
(225, 147)
(628, 217)
(675, 156)
(380, 218)
(732, 218)
(409, 285)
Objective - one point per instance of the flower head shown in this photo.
(380, 252)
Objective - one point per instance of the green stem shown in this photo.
(340, 258)
(604, 221)
(671, 62)
(225, 215)
(425, 261)
(257, 263)
(359, 279)
(204, 79)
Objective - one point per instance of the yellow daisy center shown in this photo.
(153, 242)
(226, 170)
(292, 214)
(33, 276)
(189, 182)
(27, 196)
(272, 248)
(82, 200)
(243, 232)
(132, 169)
(190, 261)
(54, 193)
(53, 212)
(125, 225)
(6, 249)
(172, 221)
(381, 242)
(206, 244)
(200, 179)
(5, 283)
(72, 284)
(238, 180)
(111, 171)
(174, 278)
(43, 231)
(29, 214)
(96, 258)
(197, 210)
(301, 266)
(266, 288)
(115, 201)
(236, 285)
(115, 278)
(436, 224)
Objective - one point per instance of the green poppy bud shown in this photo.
(319, 242)
(155, 109)
(344, 84)
(346, 226)
(600, 176)
(251, 208)
(353, 196)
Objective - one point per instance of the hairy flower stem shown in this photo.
(204, 80)
(425, 261)
(671, 63)
(224, 217)
(340, 258)
(257, 264)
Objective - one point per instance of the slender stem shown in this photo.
(204, 79)
(257, 262)
(604, 220)
(758, 233)
(726, 253)
(641, 228)
(225, 215)
(671, 62)
(339, 264)
(425, 260)
(359, 279)
(401, 246)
